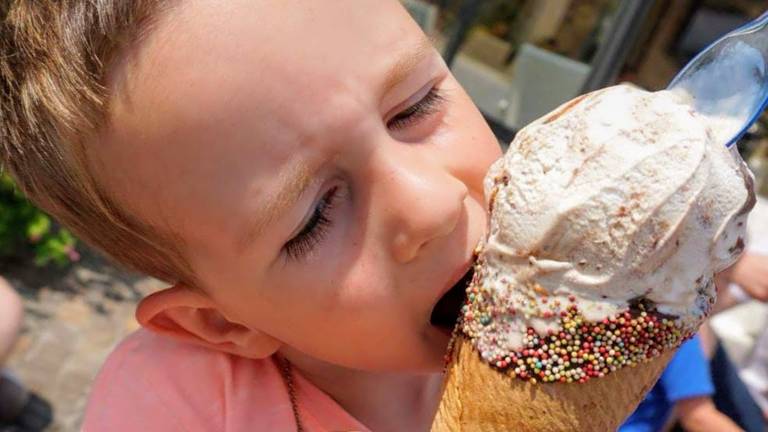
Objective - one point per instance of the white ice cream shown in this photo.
(618, 195)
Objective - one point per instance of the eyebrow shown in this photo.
(297, 177)
(407, 63)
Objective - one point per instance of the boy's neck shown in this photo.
(380, 401)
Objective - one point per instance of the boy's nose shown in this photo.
(425, 202)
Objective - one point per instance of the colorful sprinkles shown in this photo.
(576, 349)
(583, 350)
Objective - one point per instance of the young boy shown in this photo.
(307, 175)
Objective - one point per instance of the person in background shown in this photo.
(20, 409)
(684, 391)
(745, 280)
(750, 277)
(751, 273)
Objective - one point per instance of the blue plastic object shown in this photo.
(728, 81)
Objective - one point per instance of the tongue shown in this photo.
(446, 311)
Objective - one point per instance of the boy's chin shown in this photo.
(430, 359)
(440, 338)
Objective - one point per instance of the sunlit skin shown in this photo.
(237, 123)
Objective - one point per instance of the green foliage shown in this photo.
(24, 229)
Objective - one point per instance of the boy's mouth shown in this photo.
(446, 312)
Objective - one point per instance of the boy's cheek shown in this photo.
(477, 146)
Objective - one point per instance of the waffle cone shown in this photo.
(477, 397)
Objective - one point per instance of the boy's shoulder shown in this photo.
(148, 351)
(157, 383)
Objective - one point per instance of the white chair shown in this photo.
(488, 87)
(541, 80)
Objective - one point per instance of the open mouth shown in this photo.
(446, 312)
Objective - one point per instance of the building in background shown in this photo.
(519, 59)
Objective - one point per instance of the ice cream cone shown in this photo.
(477, 397)
(608, 219)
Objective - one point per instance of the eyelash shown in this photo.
(315, 229)
(429, 104)
(320, 222)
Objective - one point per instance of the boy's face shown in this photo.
(319, 160)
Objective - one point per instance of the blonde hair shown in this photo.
(54, 56)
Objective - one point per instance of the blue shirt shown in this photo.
(686, 376)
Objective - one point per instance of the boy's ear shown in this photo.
(189, 316)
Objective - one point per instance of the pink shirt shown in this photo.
(153, 383)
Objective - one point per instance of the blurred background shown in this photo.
(517, 59)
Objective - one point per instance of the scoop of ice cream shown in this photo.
(617, 204)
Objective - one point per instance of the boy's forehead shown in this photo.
(279, 71)
(242, 73)
(277, 52)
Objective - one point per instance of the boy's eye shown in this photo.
(315, 229)
(429, 104)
